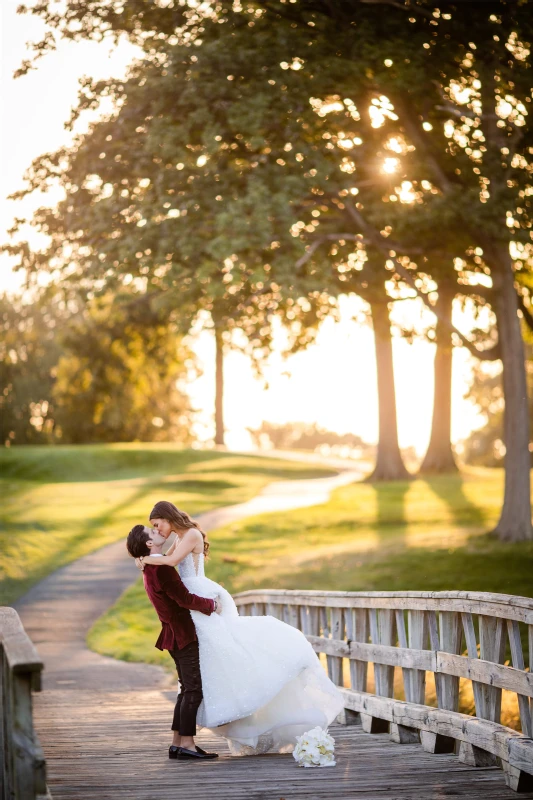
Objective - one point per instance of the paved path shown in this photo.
(59, 612)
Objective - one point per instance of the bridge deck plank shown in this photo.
(103, 746)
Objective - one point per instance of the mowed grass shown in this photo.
(60, 503)
(418, 535)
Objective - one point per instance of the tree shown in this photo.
(389, 464)
(120, 377)
(465, 125)
(29, 352)
(102, 371)
(450, 132)
(169, 113)
(485, 445)
(439, 455)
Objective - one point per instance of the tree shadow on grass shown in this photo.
(391, 519)
(450, 489)
(68, 548)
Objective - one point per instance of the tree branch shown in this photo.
(491, 354)
(458, 112)
(412, 9)
(326, 237)
(528, 316)
(391, 243)
(417, 135)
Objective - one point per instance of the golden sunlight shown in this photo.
(390, 165)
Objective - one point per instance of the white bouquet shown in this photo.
(315, 749)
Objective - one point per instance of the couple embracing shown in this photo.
(255, 681)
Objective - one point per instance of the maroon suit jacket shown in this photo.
(171, 600)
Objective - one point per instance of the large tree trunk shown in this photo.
(515, 520)
(219, 387)
(389, 464)
(439, 456)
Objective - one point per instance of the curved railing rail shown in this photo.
(23, 765)
(455, 635)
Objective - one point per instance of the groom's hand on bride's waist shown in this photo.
(218, 604)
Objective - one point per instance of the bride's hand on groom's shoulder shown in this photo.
(139, 564)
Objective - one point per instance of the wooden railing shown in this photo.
(455, 635)
(23, 765)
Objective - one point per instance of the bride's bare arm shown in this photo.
(176, 554)
(172, 547)
(139, 561)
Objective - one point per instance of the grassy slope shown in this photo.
(418, 535)
(59, 503)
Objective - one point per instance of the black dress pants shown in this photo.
(187, 660)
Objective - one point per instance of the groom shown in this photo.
(171, 600)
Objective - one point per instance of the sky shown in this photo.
(332, 383)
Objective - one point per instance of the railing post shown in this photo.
(292, 616)
(516, 778)
(356, 621)
(30, 779)
(447, 686)
(381, 632)
(337, 632)
(6, 726)
(414, 680)
(23, 770)
(274, 610)
(491, 648)
(313, 620)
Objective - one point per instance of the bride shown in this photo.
(263, 684)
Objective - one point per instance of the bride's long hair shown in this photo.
(166, 510)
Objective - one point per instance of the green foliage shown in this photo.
(60, 503)
(117, 380)
(215, 152)
(106, 369)
(484, 446)
(29, 352)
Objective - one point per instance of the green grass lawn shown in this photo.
(60, 503)
(419, 535)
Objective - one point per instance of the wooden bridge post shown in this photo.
(468, 753)
(356, 621)
(516, 778)
(447, 686)
(337, 632)
(414, 679)
(381, 632)
(23, 770)
(488, 698)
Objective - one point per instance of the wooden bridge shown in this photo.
(402, 661)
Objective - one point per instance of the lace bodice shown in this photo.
(192, 566)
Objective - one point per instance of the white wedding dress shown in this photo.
(263, 684)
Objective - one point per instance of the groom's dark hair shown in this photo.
(136, 542)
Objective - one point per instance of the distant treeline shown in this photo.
(307, 436)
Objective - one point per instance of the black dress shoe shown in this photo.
(202, 752)
(184, 755)
(173, 751)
